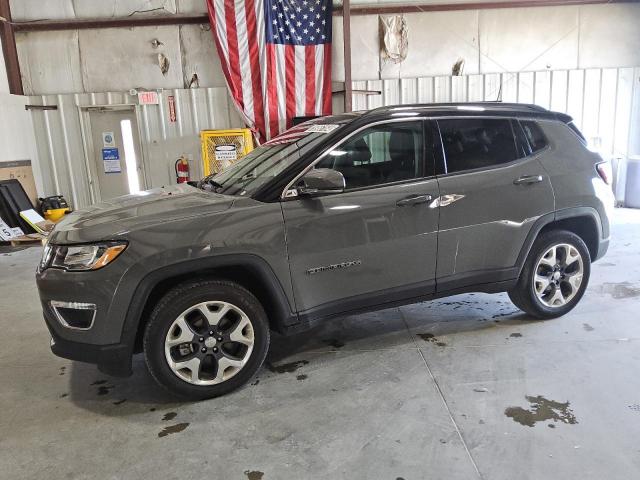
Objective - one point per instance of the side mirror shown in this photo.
(322, 181)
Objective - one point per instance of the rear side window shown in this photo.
(534, 135)
(471, 143)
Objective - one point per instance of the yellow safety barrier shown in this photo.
(221, 148)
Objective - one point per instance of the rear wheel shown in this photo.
(554, 277)
(206, 339)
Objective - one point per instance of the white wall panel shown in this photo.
(609, 35)
(117, 59)
(436, 41)
(518, 39)
(365, 58)
(558, 87)
(17, 138)
(191, 6)
(199, 56)
(50, 62)
(28, 10)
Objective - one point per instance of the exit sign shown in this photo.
(148, 98)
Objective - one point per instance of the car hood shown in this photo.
(117, 217)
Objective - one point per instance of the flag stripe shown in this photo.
(254, 58)
(326, 81)
(232, 41)
(244, 59)
(281, 87)
(301, 79)
(290, 55)
(262, 67)
(319, 64)
(217, 27)
(272, 91)
(310, 67)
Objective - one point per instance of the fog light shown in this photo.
(74, 315)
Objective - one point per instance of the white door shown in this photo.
(117, 160)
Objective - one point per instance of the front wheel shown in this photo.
(554, 277)
(206, 339)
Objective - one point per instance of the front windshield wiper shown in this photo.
(209, 182)
(214, 184)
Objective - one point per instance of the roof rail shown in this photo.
(490, 104)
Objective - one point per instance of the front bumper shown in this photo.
(112, 359)
(105, 340)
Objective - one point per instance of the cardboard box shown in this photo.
(22, 171)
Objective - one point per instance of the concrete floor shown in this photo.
(460, 388)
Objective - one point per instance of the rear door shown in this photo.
(492, 190)
(375, 242)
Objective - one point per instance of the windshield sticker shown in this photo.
(322, 128)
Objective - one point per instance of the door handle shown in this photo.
(414, 200)
(527, 179)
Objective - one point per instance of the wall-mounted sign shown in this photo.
(108, 139)
(148, 98)
(111, 160)
(226, 154)
(172, 108)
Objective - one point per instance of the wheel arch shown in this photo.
(249, 271)
(583, 221)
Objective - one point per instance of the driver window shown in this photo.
(378, 155)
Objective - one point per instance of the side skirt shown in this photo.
(386, 299)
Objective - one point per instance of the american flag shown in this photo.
(276, 58)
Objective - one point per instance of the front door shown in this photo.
(115, 150)
(492, 191)
(375, 242)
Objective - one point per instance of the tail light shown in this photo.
(605, 172)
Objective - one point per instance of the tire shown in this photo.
(216, 330)
(543, 303)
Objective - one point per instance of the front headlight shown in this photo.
(77, 258)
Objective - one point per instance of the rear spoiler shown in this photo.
(568, 120)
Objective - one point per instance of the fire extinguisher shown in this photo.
(182, 170)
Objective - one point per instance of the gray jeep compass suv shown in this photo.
(338, 215)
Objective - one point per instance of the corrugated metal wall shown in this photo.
(605, 104)
(61, 136)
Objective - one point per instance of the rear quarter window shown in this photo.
(534, 135)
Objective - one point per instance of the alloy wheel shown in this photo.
(209, 343)
(558, 275)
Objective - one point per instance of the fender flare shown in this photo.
(284, 314)
(549, 218)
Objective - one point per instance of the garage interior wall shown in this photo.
(580, 59)
(17, 138)
(62, 134)
(4, 83)
(489, 41)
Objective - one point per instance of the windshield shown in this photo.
(263, 163)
